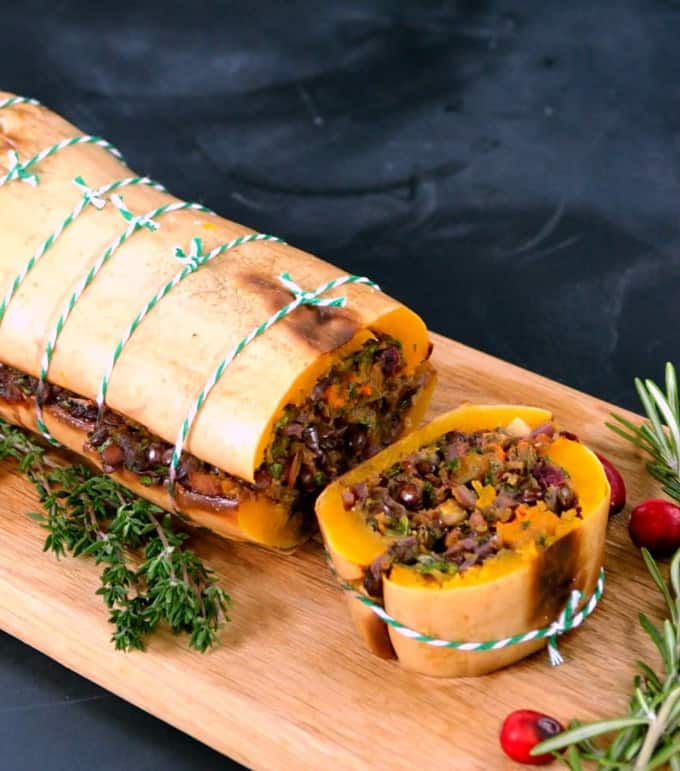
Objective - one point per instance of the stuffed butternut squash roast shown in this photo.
(476, 527)
(230, 378)
(119, 303)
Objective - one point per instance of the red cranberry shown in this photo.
(618, 486)
(522, 730)
(655, 524)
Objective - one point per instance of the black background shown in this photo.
(510, 170)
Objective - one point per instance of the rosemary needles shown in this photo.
(648, 737)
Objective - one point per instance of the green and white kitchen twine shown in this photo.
(12, 100)
(314, 298)
(567, 620)
(19, 170)
(192, 262)
(94, 197)
(136, 223)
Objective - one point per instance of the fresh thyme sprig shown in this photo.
(659, 436)
(89, 514)
(649, 736)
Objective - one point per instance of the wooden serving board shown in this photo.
(291, 686)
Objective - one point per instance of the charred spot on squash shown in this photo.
(554, 578)
(323, 329)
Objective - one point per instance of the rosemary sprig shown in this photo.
(649, 736)
(659, 436)
(149, 576)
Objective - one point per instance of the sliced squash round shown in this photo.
(538, 502)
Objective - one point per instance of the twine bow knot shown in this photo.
(91, 196)
(194, 258)
(18, 170)
(139, 220)
(301, 298)
(568, 619)
(563, 623)
(311, 298)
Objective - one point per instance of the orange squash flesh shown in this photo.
(401, 323)
(509, 594)
(263, 521)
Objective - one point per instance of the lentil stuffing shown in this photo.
(463, 499)
(354, 411)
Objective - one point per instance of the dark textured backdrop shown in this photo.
(509, 169)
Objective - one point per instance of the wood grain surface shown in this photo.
(290, 686)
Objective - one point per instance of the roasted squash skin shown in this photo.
(507, 595)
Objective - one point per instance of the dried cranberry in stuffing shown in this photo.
(547, 475)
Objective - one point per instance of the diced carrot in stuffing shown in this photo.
(334, 397)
